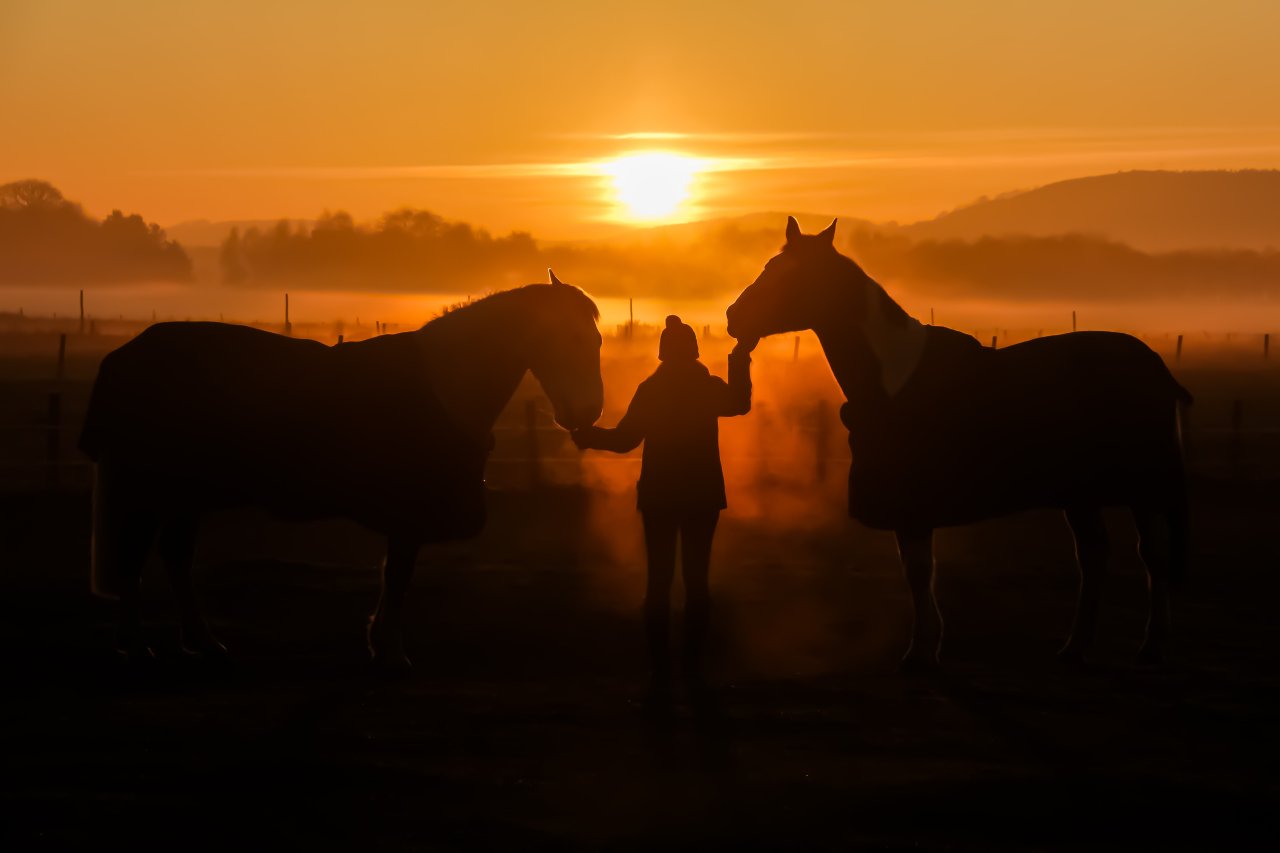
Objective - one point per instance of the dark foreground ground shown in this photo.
(519, 728)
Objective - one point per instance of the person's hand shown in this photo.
(745, 345)
(580, 437)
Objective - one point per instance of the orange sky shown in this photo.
(480, 111)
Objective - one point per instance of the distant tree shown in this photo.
(46, 238)
(231, 260)
(406, 249)
(19, 195)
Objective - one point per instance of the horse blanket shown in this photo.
(211, 415)
(977, 432)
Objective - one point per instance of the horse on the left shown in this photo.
(392, 432)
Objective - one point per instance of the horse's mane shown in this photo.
(893, 312)
(527, 293)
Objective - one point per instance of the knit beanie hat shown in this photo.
(678, 341)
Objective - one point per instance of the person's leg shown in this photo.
(696, 533)
(660, 546)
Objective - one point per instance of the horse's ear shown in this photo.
(829, 233)
(552, 276)
(793, 229)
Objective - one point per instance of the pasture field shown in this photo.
(519, 727)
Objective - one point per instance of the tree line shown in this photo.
(412, 250)
(46, 239)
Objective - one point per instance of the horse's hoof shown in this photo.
(392, 663)
(698, 693)
(1071, 655)
(919, 662)
(658, 706)
(136, 656)
(208, 650)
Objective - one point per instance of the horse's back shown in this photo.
(1086, 417)
(182, 383)
(1089, 364)
(219, 415)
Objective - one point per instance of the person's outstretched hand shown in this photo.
(579, 437)
(745, 345)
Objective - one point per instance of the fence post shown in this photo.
(993, 341)
(1177, 356)
(795, 351)
(1073, 321)
(288, 327)
(339, 338)
(531, 438)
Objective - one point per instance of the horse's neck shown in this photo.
(473, 370)
(895, 343)
(853, 365)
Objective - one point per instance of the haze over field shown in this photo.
(1023, 256)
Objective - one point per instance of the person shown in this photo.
(681, 488)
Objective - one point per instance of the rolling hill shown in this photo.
(1151, 211)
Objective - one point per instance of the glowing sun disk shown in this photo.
(652, 185)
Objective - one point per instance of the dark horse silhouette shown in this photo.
(945, 431)
(392, 432)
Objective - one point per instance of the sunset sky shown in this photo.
(514, 115)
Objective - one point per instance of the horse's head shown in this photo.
(564, 351)
(796, 290)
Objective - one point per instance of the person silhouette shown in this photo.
(680, 493)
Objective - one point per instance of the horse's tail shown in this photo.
(1182, 400)
(1179, 535)
(1177, 514)
(1182, 395)
(104, 576)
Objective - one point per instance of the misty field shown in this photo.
(520, 725)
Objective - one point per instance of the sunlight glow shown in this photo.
(650, 186)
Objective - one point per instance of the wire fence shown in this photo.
(40, 420)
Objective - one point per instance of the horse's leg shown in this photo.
(177, 550)
(386, 632)
(124, 528)
(1162, 546)
(1090, 532)
(915, 547)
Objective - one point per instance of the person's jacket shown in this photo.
(674, 412)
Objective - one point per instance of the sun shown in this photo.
(651, 186)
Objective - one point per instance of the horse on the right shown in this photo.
(945, 431)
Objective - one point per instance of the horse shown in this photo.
(945, 431)
(392, 432)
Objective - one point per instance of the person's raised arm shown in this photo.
(624, 437)
(736, 394)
